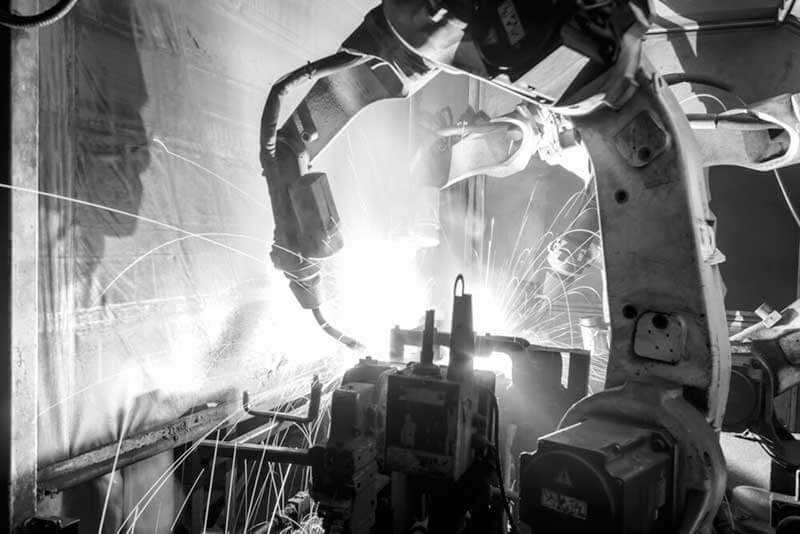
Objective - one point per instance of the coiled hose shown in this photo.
(40, 20)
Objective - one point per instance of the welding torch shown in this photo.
(306, 219)
(305, 214)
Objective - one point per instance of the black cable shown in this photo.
(335, 333)
(702, 79)
(786, 197)
(499, 464)
(39, 20)
(272, 109)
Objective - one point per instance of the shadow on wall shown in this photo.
(113, 149)
(101, 164)
(112, 154)
(111, 369)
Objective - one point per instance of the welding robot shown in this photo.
(414, 448)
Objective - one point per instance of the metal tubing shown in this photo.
(426, 355)
(314, 400)
(97, 462)
(462, 335)
(484, 345)
(728, 25)
(251, 451)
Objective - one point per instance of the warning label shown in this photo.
(565, 504)
(511, 23)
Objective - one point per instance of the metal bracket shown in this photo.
(314, 400)
(762, 136)
(659, 336)
(642, 140)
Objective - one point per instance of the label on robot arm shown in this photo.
(564, 504)
(511, 22)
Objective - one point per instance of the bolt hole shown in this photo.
(644, 153)
(629, 311)
(660, 321)
(621, 196)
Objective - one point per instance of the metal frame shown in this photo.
(790, 21)
(97, 462)
(5, 264)
(21, 279)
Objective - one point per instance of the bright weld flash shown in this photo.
(375, 285)
(489, 315)
(497, 362)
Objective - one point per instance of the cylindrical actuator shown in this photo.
(462, 335)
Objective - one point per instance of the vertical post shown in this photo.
(476, 205)
(462, 335)
(426, 355)
(20, 280)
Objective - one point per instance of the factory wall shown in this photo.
(156, 290)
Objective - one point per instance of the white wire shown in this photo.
(698, 96)
(781, 185)
(786, 197)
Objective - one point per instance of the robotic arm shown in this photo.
(398, 48)
(642, 456)
(372, 65)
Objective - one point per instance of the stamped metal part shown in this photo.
(660, 337)
(642, 140)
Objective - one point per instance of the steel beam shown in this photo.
(21, 346)
(791, 22)
(100, 461)
(255, 452)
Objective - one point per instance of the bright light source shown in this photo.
(497, 362)
(375, 285)
(488, 313)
